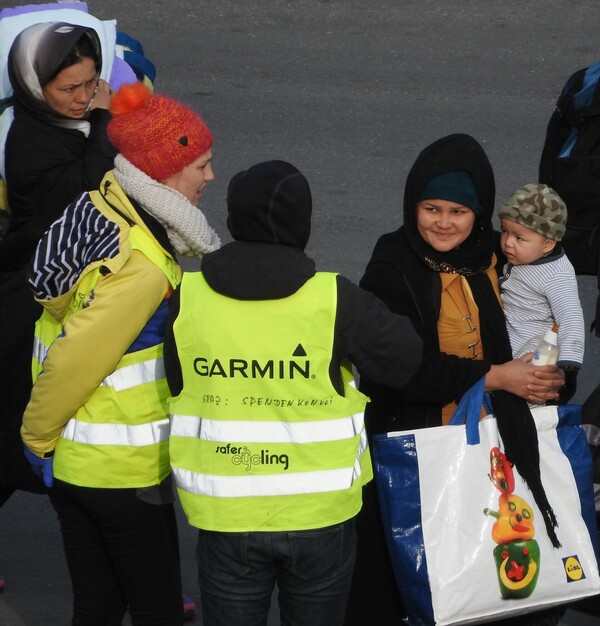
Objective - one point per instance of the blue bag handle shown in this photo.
(468, 411)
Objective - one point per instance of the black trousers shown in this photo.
(122, 553)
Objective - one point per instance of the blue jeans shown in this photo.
(237, 573)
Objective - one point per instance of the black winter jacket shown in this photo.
(408, 287)
(47, 167)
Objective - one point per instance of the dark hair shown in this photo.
(85, 48)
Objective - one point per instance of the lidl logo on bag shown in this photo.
(573, 568)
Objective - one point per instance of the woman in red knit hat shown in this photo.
(96, 428)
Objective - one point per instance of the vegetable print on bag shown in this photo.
(517, 554)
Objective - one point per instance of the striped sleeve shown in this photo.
(563, 298)
(79, 237)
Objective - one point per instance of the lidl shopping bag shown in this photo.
(467, 541)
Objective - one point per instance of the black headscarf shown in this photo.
(452, 153)
(472, 259)
(35, 56)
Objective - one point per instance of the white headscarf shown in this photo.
(34, 58)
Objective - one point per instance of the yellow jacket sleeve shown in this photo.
(94, 341)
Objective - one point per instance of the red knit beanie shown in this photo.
(159, 135)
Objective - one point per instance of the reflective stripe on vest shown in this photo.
(116, 434)
(39, 350)
(260, 438)
(276, 485)
(267, 431)
(135, 375)
(47, 329)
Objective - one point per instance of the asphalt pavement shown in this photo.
(349, 92)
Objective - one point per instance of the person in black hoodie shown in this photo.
(259, 299)
(440, 270)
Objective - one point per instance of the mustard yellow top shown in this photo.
(458, 323)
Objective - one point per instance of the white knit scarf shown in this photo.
(186, 226)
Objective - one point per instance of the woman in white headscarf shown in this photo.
(56, 148)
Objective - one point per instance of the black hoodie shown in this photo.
(269, 216)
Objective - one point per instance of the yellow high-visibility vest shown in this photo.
(260, 438)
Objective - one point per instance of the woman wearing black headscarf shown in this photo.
(56, 148)
(439, 268)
